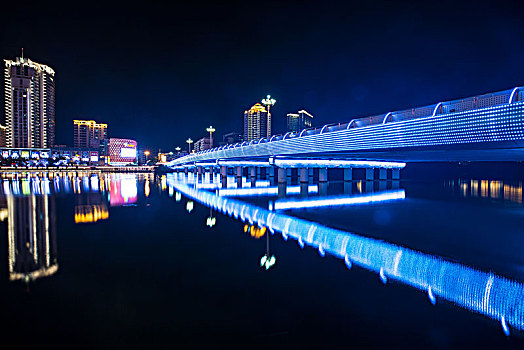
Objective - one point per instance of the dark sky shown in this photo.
(162, 74)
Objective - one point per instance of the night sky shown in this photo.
(162, 74)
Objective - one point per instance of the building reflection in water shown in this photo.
(31, 228)
(492, 189)
(482, 292)
(123, 190)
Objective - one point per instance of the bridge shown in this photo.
(487, 127)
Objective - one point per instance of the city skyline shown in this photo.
(337, 65)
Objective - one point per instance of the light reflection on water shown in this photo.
(486, 293)
(30, 211)
(28, 205)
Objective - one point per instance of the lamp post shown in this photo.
(147, 153)
(189, 142)
(268, 102)
(210, 130)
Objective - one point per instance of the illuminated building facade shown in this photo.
(88, 133)
(299, 121)
(257, 123)
(122, 151)
(3, 130)
(29, 97)
(202, 144)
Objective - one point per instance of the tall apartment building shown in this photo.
(299, 121)
(89, 134)
(202, 144)
(29, 97)
(257, 123)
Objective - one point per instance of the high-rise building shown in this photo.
(257, 123)
(29, 97)
(88, 133)
(202, 144)
(299, 121)
(2, 136)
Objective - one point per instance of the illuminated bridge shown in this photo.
(488, 127)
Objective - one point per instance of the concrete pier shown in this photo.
(223, 175)
(282, 179)
(322, 175)
(304, 176)
(348, 174)
(395, 174)
(369, 174)
(382, 174)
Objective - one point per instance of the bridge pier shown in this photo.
(282, 189)
(322, 175)
(304, 188)
(223, 175)
(395, 174)
(382, 174)
(310, 175)
(348, 174)
(282, 179)
(252, 173)
(199, 173)
(369, 174)
(304, 176)
(348, 187)
(239, 171)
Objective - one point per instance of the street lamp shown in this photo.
(268, 102)
(210, 130)
(189, 142)
(147, 153)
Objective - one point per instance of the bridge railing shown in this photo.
(466, 104)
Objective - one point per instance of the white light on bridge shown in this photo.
(336, 201)
(334, 163)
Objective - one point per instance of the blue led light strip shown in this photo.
(501, 123)
(262, 191)
(335, 163)
(482, 292)
(283, 204)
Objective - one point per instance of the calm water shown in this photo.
(138, 261)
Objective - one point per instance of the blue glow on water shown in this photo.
(486, 293)
(283, 204)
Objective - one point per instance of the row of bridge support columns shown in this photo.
(283, 175)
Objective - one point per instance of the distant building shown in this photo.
(202, 144)
(79, 155)
(88, 133)
(232, 137)
(257, 123)
(122, 151)
(29, 98)
(299, 121)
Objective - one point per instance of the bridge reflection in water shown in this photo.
(486, 293)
